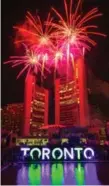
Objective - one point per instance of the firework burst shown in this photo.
(73, 30)
(52, 42)
(30, 62)
(38, 36)
(35, 32)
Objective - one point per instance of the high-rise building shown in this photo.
(71, 107)
(36, 107)
(67, 104)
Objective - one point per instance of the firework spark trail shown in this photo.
(73, 32)
(34, 27)
(47, 42)
(58, 55)
(75, 25)
(42, 43)
(31, 61)
(44, 60)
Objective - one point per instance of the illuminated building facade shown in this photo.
(71, 107)
(67, 104)
(36, 107)
(12, 117)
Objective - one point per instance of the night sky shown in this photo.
(13, 12)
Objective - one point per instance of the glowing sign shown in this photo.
(59, 153)
(32, 141)
(36, 141)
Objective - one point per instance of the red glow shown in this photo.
(53, 43)
(50, 42)
(29, 87)
(74, 29)
(30, 61)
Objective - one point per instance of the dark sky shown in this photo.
(13, 12)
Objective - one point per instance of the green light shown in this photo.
(57, 174)
(34, 174)
(79, 174)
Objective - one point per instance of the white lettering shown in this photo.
(45, 153)
(58, 153)
(54, 151)
(25, 149)
(68, 154)
(91, 151)
(78, 149)
(35, 149)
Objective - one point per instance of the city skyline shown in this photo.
(13, 92)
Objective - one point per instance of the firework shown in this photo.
(38, 36)
(30, 62)
(74, 30)
(52, 42)
(35, 32)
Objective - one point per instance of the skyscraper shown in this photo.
(35, 106)
(71, 106)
